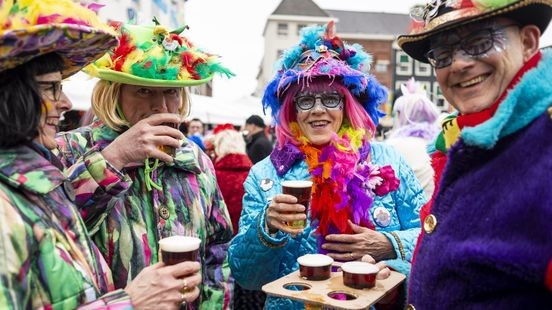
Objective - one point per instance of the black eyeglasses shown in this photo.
(331, 101)
(474, 45)
(51, 89)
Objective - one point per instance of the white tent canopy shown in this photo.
(210, 110)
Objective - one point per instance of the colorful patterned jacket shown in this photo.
(126, 220)
(257, 258)
(47, 259)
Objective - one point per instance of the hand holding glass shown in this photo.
(177, 249)
(302, 191)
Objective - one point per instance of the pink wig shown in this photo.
(354, 112)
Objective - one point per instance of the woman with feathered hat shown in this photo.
(48, 260)
(487, 241)
(365, 198)
(137, 178)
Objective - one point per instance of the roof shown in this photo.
(371, 22)
(299, 8)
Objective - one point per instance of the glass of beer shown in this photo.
(359, 275)
(177, 249)
(300, 189)
(315, 267)
(169, 150)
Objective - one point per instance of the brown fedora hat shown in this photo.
(442, 15)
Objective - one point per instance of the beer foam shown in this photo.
(297, 183)
(359, 268)
(315, 260)
(179, 244)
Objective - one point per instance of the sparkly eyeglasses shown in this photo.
(331, 101)
(51, 89)
(475, 45)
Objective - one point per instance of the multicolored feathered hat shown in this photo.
(31, 28)
(320, 53)
(441, 15)
(155, 56)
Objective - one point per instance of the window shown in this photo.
(422, 69)
(299, 27)
(382, 65)
(282, 29)
(404, 63)
(439, 99)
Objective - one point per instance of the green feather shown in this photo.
(220, 69)
(178, 31)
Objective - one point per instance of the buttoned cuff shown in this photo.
(396, 242)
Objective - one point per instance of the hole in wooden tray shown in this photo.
(342, 295)
(297, 286)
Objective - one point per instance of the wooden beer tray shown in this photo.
(317, 294)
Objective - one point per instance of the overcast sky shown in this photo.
(234, 30)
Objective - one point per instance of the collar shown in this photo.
(285, 157)
(255, 136)
(23, 167)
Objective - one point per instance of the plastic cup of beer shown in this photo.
(177, 249)
(169, 150)
(359, 275)
(315, 267)
(300, 189)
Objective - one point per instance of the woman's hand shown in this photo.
(364, 241)
(383, 272)
(143, 139)
(165, 287)
(284, 208)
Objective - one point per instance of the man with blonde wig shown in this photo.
(137, 178)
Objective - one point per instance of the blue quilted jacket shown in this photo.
(257, 258)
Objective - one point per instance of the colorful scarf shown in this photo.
(344, 185)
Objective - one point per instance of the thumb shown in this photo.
(356, 229)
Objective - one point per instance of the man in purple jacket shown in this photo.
(487, 233)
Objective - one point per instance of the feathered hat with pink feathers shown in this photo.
(321, 53)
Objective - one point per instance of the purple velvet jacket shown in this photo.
(492, 245)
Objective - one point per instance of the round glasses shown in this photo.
(51, 89)
(332, 101)
(475, 45)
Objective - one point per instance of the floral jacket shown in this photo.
(47, 259)
(126, 220)
(257, 258)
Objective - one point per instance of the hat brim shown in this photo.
(78, 45)
(125, 78)
(536, 12)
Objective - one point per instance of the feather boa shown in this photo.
(344, 187)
